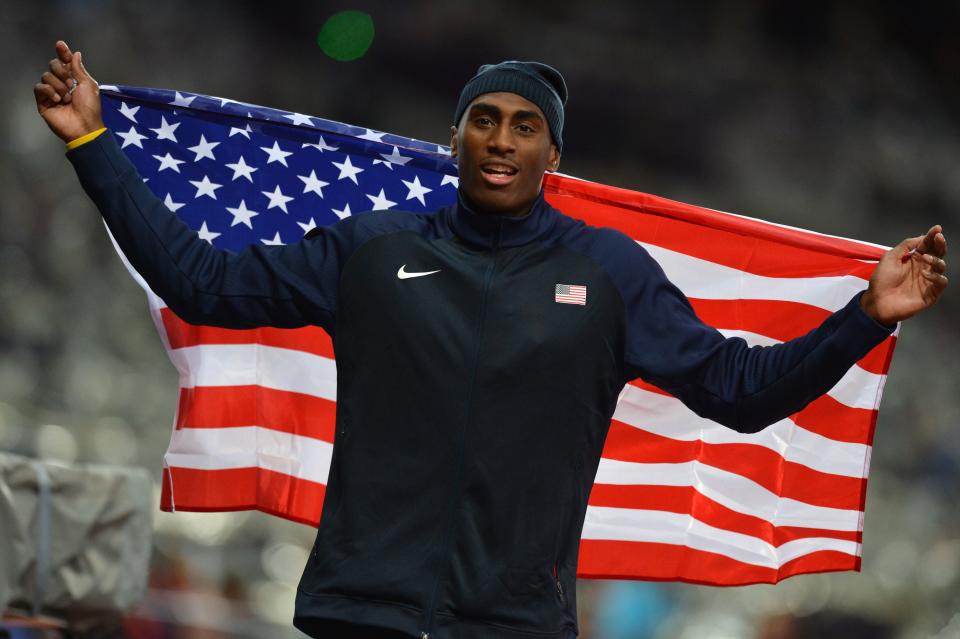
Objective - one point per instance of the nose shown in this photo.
(501, 139)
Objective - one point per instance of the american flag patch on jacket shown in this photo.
(570, 294)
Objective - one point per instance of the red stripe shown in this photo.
(604, 559)
(243, 489)
(659, 217)
(301, 500)
(877, 361)
(226, 406)
(781, 320)
(824, 416)
(686, 500)
(310, 339)
(776, 319)
(828, 417)
(757, 463)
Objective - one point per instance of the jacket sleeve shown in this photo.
(284, 286)
(723, 379)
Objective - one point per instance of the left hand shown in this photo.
(900, 289)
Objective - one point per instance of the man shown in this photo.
(456, 495)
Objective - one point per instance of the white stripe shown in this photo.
(247, 364)
(858, 388)
(250, 447)
(127, 265)
(308, 458)
(699, 278)
(752, 339)
(672, 528)
(301, 372)
(704, 279)
(668, 417)
(731, 490)
(154, 302)
(297, 371)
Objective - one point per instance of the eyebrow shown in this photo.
(486, 107)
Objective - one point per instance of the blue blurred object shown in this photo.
(632, 609)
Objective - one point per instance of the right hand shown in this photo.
(69, 115)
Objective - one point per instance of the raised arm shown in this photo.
(748, 388)
(284, 286)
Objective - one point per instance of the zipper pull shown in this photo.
(556, 577)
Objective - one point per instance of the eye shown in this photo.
(484, 121)
(526, 128)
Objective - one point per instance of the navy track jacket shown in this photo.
(472, 407)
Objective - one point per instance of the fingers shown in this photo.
(939, 280)
(46, 96)
(61, 72)
(932, 243)
(906, 249)
(58, 85)
(935, 274)
(63, 51)
(937, 265)
(940, 245)
(929, 242)
(66, 72)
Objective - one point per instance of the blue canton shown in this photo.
(240, 174)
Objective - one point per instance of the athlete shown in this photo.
(456, 497)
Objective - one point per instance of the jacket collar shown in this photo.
(491, 231)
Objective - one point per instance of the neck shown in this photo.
(469, 204)
(498, 230)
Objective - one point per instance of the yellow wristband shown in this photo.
(83, 139)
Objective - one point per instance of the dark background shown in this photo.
(840, 117)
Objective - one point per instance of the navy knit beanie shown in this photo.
(540, 83)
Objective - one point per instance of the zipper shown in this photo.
(556, 577)
(461, 444)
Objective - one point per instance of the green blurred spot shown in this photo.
(346, 35)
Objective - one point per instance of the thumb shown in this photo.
(905, 249)
(910, 244)
(79, 71)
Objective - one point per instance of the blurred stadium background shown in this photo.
(836, 117)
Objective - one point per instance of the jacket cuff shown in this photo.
(99, 161)
(83, 139)
(863, 328)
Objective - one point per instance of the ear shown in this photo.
(554, 162)
(453, 141)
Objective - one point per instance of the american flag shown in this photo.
(570, 294)
(676, 497)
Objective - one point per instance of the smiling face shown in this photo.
(503, 146)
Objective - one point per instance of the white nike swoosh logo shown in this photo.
(403, 275)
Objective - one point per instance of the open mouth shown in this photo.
(498, 174)
(498, 169)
